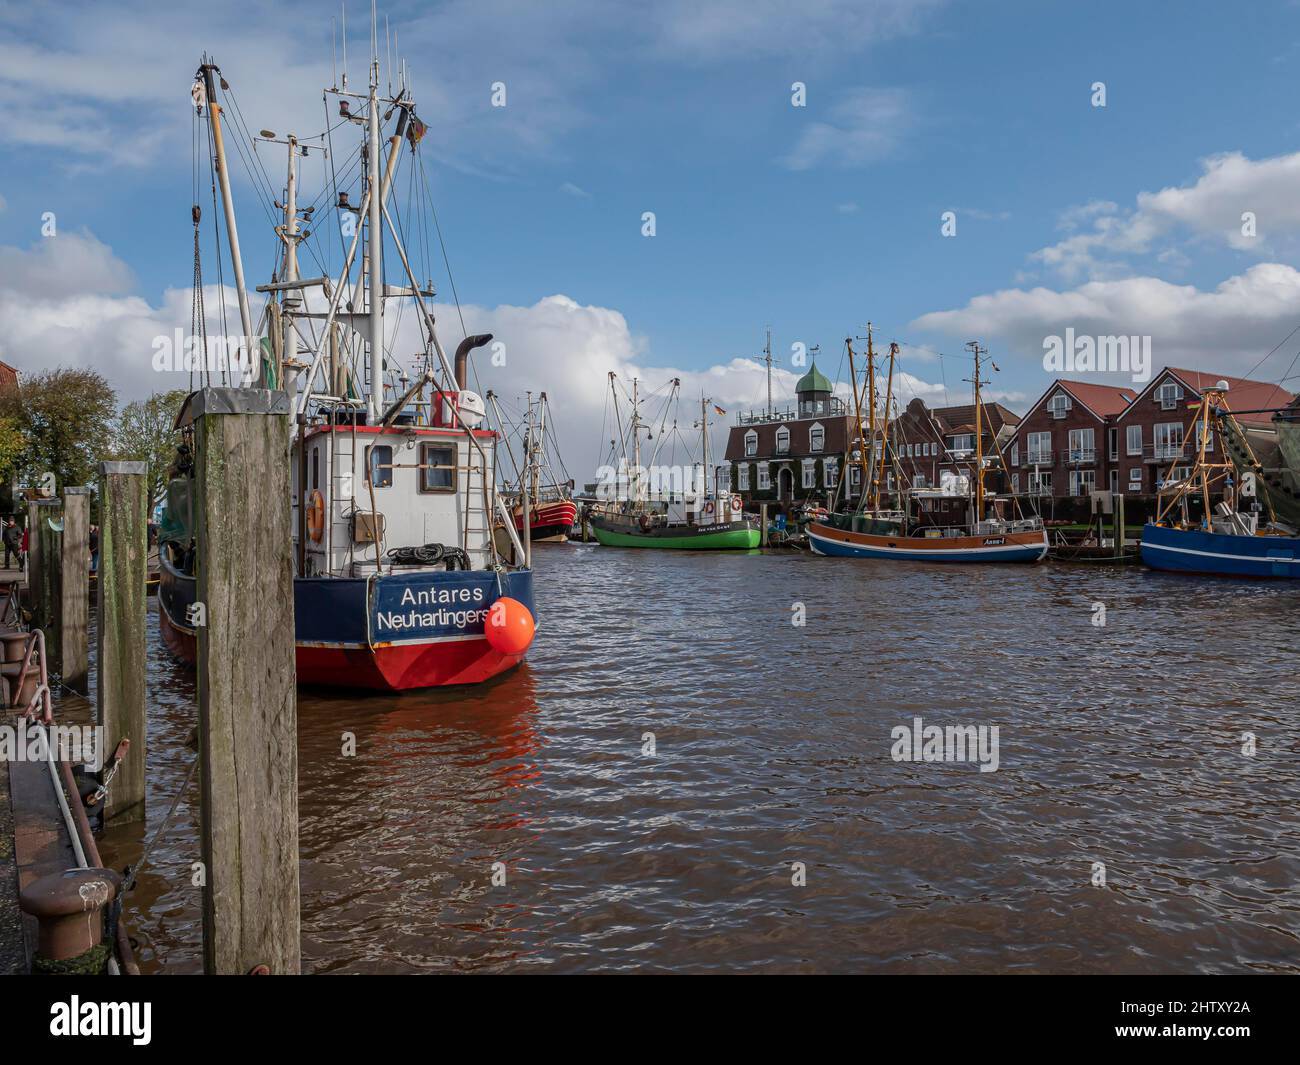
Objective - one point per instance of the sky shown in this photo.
(951, 175)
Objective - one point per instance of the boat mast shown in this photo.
(857, 417)
(704, 450)
(375, 248)
(636, 442)
(871, 488)
(206, 72)
(977, 351)
(884, 432)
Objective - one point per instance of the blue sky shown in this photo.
(811, 220)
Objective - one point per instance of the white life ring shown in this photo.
(737, 503)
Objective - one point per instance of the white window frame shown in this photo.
(783, 440)
(1168, 395)
(742, 477)
(1044, 454)
(751, 443)
(831, 472)
(809, 473)
(1133, 440)
(816, 437)
(764, 477)
(1060, 405)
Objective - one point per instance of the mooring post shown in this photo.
(74, 591)
(762, 524)
(45, 574)
(248, 734)
(122, 633)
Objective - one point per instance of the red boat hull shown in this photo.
(549, 521)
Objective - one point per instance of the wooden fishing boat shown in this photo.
(540, 499)
(878, 531)
(1227, 538)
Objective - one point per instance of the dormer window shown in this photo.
(817, 437)
(1060, 405)
(783, 441)
(751, 444)
(1168, 395)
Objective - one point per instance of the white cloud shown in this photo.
(570, 189)
(1227, 329)
(1212, 207)
(864, 125)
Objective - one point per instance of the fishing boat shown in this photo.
(1194, 533)
(540, 499)
(672, 506)
(393, 476)
(884, 528)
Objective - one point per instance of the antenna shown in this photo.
(344, 8)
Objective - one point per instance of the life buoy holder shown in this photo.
(315, 516)
(737, 503)
(708, 506)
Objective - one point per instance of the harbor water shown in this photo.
(695, 772)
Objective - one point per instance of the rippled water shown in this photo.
(1118, 744)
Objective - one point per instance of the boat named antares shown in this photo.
(399, 579)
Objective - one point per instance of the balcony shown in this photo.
(1038, 458)
(1167, 452)
(1081, 456)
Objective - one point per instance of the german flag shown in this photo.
(415, 130)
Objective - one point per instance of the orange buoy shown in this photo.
(315, 516)
(509, 627)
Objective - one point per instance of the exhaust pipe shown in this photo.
(462, 356)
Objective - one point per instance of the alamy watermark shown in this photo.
(1073, 353)
(623, 482)
(919, 742)
(234, 356)
(74, 744)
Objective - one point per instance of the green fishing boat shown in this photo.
(681, 512)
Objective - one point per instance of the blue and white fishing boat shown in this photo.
(1228, 538)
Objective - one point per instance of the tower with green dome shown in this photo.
(813, 393)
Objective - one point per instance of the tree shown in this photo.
(144, 432)
(12, 445)
(66, 420)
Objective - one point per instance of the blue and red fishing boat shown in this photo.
(408, 570)
(1211, 519)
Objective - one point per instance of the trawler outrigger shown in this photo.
(874, 530)
(399, 580)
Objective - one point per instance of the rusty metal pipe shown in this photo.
(462, 356)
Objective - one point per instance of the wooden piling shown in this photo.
(45, 573)
(248, 736)
(73, 625)
(122, 634)
(762, 524)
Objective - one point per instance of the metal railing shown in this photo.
(1081, 455)
(1038, 458)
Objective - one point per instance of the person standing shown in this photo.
(13, 540)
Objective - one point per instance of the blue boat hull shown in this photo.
(1220, 554)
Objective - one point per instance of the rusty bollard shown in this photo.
(69, 907)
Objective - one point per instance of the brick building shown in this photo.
(797, 454)
(1081, 437)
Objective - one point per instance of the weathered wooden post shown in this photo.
(122, 636)
(248, 734)
(45, 573)
(762, 524)
(73, 626)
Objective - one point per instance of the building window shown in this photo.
(315, 467)
(751, 444)
(1112, 445)
(816, 438)
(831, 472)
(1015, 453)
(1169, 441)
(1060, 405)
(1040, 483)
(1040, 449)
(963, 442)
(918, 480)
(1081, 446)
(1133, 440)
(437, 468)
(1168, 395)
(742, 477)
(1135, 478)
(810, 473)
(764, 477)
(783, 441)
(379, 460)
(855, 475)
(1082, 482)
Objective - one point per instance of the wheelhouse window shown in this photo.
(437, 468)
(379, 459)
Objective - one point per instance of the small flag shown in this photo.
(719, 409)
(415, 131)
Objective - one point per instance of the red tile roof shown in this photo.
(1243, 393)
(1102, 400)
